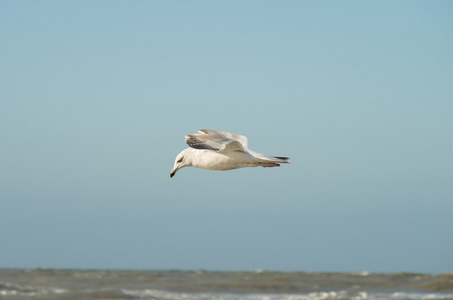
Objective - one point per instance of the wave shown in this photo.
(14, 290)
(332, 295)
(205, 285)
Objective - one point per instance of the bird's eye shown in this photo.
(180, 160)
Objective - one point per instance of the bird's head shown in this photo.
(181, 161)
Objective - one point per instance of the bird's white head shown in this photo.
(182, 160)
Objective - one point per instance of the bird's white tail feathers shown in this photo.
(283, 160)
(276, 159)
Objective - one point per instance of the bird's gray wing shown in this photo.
(214, 142)
(240, 138)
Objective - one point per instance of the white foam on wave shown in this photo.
(333, 295)
(13, 289)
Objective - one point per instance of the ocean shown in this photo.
(207, 285)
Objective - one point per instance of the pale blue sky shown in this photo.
(96, 97)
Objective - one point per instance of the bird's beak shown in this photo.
(176, 167)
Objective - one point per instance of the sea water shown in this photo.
(203, 285)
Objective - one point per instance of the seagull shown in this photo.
(221, 150)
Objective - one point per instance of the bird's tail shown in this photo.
(279, 159)
(274, 159)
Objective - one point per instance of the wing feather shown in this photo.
(240, 138)
(214, 142)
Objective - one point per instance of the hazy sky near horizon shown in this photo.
(96, 97)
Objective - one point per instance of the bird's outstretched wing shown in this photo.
(240, 138)
(216, 140)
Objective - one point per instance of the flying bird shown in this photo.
(220, 150)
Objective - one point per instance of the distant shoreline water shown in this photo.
(216, 285)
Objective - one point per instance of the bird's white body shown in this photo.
(221, 150)
(208, 159)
